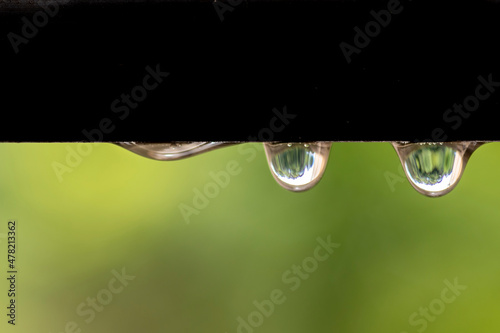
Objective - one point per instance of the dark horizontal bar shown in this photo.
(423, 75)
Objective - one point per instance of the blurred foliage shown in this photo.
(115, 210)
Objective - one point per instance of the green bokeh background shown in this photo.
(119, 210)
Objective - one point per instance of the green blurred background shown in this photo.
(116, 210)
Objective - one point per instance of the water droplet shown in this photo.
(297, 166)
(434, 169)
(171, 151)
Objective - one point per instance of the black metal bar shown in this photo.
(66, 72)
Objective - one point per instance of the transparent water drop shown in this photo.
(297, 166)
(434, 168)
(171, 151)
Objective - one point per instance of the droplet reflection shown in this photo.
(297, 166)
(434, 169)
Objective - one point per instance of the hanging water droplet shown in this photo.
(297, 166)
(434, 169)
(171, 151)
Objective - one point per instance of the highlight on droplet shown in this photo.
(297, 166)
(434, 168)
(171, 151)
